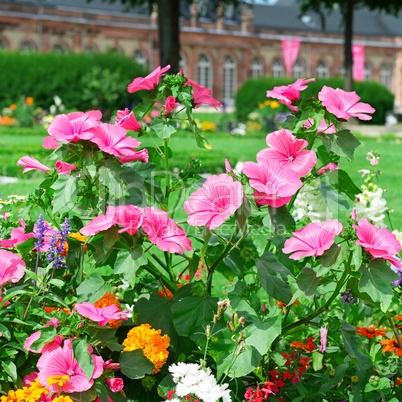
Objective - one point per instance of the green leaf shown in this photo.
(354, 347)
(332, 382)
(200, 139)
(10, 368)
(135, 365)
(281, 218)
(47, 334)
(332, 198)
(162, 128)
(192, 314)
(345, 144)
(242, 214)
(330, 256)
(85, 396)
(109, 176)
(65, 193)
(84, 358)
(274, 277)
(26, 246)
(306, 283)
(92, 289)
(101, 390)
(341, 181)
(376, 281)
(317, 360)
(128, 262)
(5, 332)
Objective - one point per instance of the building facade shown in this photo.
(220, 49)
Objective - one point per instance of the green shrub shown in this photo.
(254, 91)
(44, 75)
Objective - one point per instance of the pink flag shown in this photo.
(290, 49)
(358, 62)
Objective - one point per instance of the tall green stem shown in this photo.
(167, 175)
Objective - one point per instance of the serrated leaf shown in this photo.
(135, 365)
(128, 262)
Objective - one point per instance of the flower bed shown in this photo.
(113, 292)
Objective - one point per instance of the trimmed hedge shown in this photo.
(254, 91)
(44, 75)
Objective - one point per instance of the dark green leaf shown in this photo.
(92, 289)
(5, 332)
(10, 368)
(101, 391)
(242, 214)
(47, 334)
(306, 283)
(281, 218)
(329, 257)
(84, 358)
(341, 181)
(346, 143)
(135, 365)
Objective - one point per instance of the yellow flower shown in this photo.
(208, 126)
(29, 100)
(275, 105)
(261, 105)
(58, 379)
(10, 397)
(28, 395)
(106, 300)
(151, 342)
(37, 386)
(267, 102)
(63, 398)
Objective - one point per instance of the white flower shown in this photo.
(57, 100)
(398, 235)
(372, 206)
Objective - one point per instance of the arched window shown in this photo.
(298, 69)
(183, 63)
(368, 74)
(205, 71)
(27, 47)
(277, 68)
(3, 44)
(59, 48)
(322, 70)
(229, 80)
(90, 49)
(385, 76)
(257, 68)
(140, 57)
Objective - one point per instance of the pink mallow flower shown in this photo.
(115, 384)
(48, 347)
(142, 156)
(127, 120)
(11, 267)
(164, 232)
(30, 163)
(61, 362)
(322, 128)
(275, 185)
(74, 126)
(344, 104)
(323, 339)
(289, 152)
(50, 142)
(170, 105)
(331, 167)
(286, 94)
(100, 223)
(313, 239)
(212, 204)
(380, 243)
(100, 315)
(202, 95)
(65, 168)
(149, 82)
(113, 140)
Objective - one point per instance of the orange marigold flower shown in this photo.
(7, 121)
(150, 340)
(169, 293)
(29, 100)
(370, 332)
(108, 299)
(63, 398)
(13, 106)
(51, 309)
(28, 394)
(398, 381)
(76, 236)
(391, 345)
(10, 397)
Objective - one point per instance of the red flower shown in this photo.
(370, 332)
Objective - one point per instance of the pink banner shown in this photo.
(290, 49)
(358, 62)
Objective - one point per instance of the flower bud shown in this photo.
(355, 379)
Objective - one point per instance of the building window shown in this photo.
(205, 71)
(298, 69)
(59, 48)
(385, 76)
(367, 72)
(257, 68)
(277, 68)
(27, 47)
(229, 80)
(3, 44)
(140, 57)
(322, 70)
(183, 63)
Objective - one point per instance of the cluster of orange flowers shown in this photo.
(109, 299)
(150, 340)
(26, 394)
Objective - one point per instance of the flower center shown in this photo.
(291, 158)
(370, 330)
(70, 372)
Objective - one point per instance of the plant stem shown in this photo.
(158, 275)
(167, 175)
(397, 336)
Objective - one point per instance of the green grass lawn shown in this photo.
(15, 143)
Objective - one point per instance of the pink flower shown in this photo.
(11, 267)
(286, 94)
(323, 339)
(287, 150)
(48, 347)
(50, 142)
(130, 217)
(344, 104)
(74, 126)
(113, 140)
(29, 378)
(164, 232)
(354, 214)
(227, 166)
(18, 236)
(331, 167)
(127, 120)
(138, 156)
(100, 315)
(149, 82)
(109, 399)
(271, 181)
(313, 239)
(65, 168)
(322, 128)
(108, 365)
(380, 243)
(212, 204)
(202, 95)
(100, 223)
(170, 105)
(30, 163)
(62, 362)
(115, 384)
